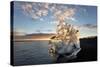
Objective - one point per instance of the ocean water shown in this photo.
(36, 52)
(30, 53)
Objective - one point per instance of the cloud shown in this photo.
(35, 10)
(42, 12)
(91, 26)
(38, 10)
(73, 19)
(68, 13)
(88, 26)
(44, 31)
(88, 30)
(27, 8)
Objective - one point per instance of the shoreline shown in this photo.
(40, 39)
(28, 40)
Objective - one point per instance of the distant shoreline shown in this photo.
(39, 37)
(33, 37)
(26, 40)
(45, 39)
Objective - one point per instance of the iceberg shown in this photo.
(66, 42)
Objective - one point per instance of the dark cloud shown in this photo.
(91, 26)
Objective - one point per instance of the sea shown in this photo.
(30, 53)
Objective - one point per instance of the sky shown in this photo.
(35, 17)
